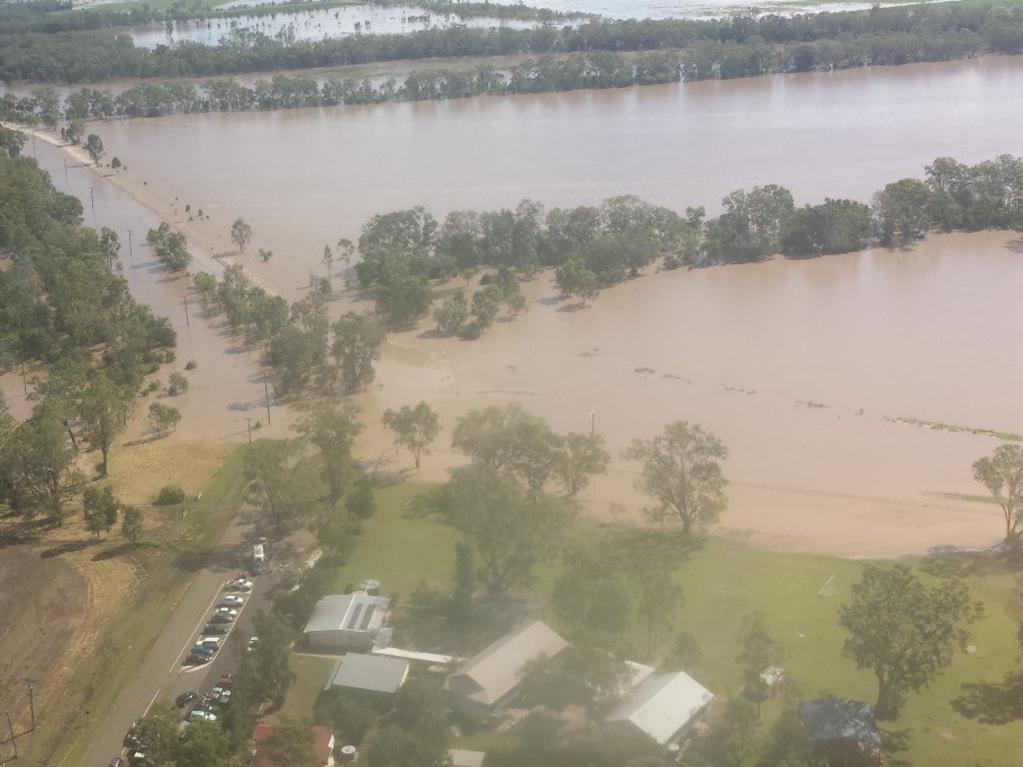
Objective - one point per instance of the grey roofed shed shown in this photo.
(374, 673)
(348, 621)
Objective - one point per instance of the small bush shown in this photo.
(176, 384)
(170, 495)
(191, 365)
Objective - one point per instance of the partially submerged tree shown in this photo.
(905, 632)
(681, 471)
(241, 233)
(509, 440)
(415, 428)
(357, 342)
(1002, 474)
(579, 457)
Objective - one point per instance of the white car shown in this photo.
(213, 642)
(253, 641)
(227, 612)
(202, 716)
(232, 601)
(241, 584)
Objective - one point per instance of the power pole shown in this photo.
(184, 300)
(66, 179)
(24, 382)
(131, 252)
(593, 422)
(248, 424)
(266, 393)
(14, 740)
(31, 701)
(92, 199)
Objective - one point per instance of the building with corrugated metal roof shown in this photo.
(346, 622)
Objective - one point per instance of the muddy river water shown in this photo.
(798, 366)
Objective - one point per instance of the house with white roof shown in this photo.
(664, 707)
(368, 673)
(346, 622)
(485, 683)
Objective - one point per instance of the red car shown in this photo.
(227, 680)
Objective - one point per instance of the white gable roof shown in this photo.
(662, 705)
(497, 670)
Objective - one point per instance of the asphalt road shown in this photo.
(161, 673)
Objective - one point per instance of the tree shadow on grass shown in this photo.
(66, 548)
(992, 702)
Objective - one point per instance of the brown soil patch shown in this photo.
(42, 601)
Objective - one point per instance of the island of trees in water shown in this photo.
(44, 51)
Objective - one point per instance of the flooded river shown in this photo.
(803, 368)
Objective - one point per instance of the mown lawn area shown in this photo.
(310, 676)
(722, 580)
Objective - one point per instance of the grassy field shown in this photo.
(95, 684)
(723, 580)
(310, 676)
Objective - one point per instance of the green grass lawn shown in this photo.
(723, 580)
(310, 676)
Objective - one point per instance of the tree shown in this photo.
(274, 486)
(451, 315)
(11, 142)
(176, 384)
(344, 250)
(241, 234)
(289, 742)
(758, 652)
(681, 472)
(116, 163)
(94, 146)
(414, 428)
(903, 210)
(332, 431)
(270, 658)
(404, 298)
(111, 245)
(659, 599)
(360, 502)
(731, 739)
(100, 509)
(511, 532)
(509, 440)
(1002, 474)
(104, 411)
(465, 583)
(265, 255)
(420, 710)
(204, 744)
(163, 418)
(131, 524)
(685, 651)
(42, 465)
(328, 260)
(357, 342)
(575, 279)
(903, 631)
(580, 456)
(579, 675)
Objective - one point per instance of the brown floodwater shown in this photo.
(797, 366)
(307, 177)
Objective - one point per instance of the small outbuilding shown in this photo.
(461, 757)
(664, 707)
(487, 682)
(368, 673)
(841, 731)
(346, 622)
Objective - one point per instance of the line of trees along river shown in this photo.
(734, 47)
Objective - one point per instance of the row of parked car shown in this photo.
(220, 622)
(203, 707)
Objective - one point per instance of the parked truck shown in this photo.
(258, 559)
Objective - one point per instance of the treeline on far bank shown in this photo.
(734, 47)
(594, 247)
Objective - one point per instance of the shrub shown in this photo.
(191, 365)
(170, 495)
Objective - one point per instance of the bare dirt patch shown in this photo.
(43, 601)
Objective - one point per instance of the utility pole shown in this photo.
(14, 740)
(31, 701)
(92, 199)
(184, 300)
(593, 422)
(24, 381)
(266, 393)
(66, 179)
(131, 252)
(248, 424)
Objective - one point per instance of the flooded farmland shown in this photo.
(811, 372)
